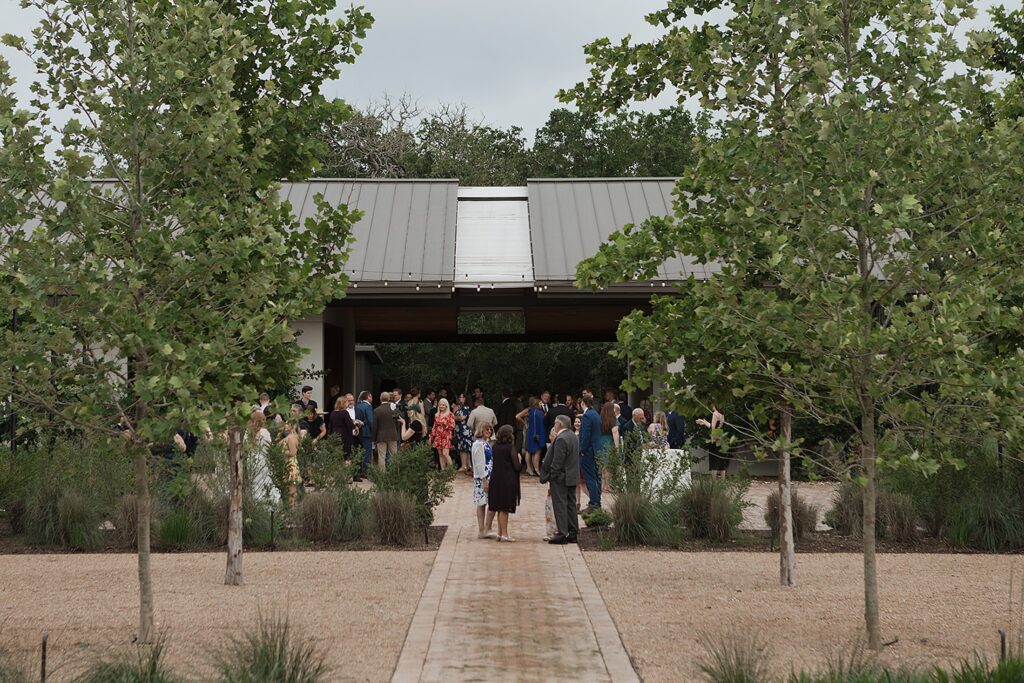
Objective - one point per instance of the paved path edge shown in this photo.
(413, 656)
(613, 650)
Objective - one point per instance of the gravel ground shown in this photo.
(356, 606)
(941, 607)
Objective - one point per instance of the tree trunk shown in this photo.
(868, 451)
(142, 543)
(233, 573)
(787, 546)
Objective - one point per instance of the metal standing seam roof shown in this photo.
(406, 235)
(571, 218)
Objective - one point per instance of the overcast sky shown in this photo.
(504, 60)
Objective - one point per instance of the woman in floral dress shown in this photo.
(482, 480)
(463, 435)
(442, 432)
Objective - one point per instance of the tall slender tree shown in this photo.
(846, 174)
(160, 297)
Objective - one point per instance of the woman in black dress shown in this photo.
(717, 463)
(503, 492)
(342, 426)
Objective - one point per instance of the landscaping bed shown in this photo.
(592, 539)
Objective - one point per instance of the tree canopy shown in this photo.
(859, 216)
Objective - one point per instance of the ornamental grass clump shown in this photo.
(318, 516)
(394, 517)
(711, 508)
(271, 653)
(805, 515)
(146, 667)
(735, 658)
(637, 520)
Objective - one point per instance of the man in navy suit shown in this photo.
(364, 418)
(590, 437)
(676, 429)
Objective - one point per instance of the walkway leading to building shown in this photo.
(524, 611)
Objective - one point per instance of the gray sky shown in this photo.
(504, 60)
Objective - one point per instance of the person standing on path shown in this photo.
(442, 432)
(590, 440)
(364, 421)
(463, 434)
(533, 419)
(481, 415)
(561, 469)
(385, 432)
(504, 494)
(482, 463)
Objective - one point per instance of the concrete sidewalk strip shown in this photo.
(523, 611)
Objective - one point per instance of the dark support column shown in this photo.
(348, 358)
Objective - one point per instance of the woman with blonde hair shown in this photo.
(658, 429)
(290, 446)
(442, 431)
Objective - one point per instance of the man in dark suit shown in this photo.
(590, 437)
(676, 429)
(638, 423)
(507, 410)
(385, 431)
(561, 470)
(364, 420)
(556, 409)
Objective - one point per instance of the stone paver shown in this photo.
(524, 611)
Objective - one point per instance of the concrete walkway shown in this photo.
(524, 611)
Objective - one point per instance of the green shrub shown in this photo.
(413, 471)
(176, 529)
(735, 658)
(639, 469)
(711, 508)
(805, 515)
(147, 667)
(271, 653)
(353, 514)
(637, 520)
(395, 517)
(597, 517)
(992, 522)
(318, 516)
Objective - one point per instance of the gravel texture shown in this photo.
(355, 606)
(819, 493)
(941, 607)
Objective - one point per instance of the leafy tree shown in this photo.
(585, 144)
(161, 297)
(861, 224)
(1006, 53)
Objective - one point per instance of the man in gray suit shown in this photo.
(561, 469)
(384, 431)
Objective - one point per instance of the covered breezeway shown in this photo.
(428, 252)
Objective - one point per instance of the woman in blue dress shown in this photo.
(536, 435)
(463, 435)
(482, 480)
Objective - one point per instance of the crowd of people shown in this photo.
(559, 438)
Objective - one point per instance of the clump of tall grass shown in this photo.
(737, 657)
(271, 652)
